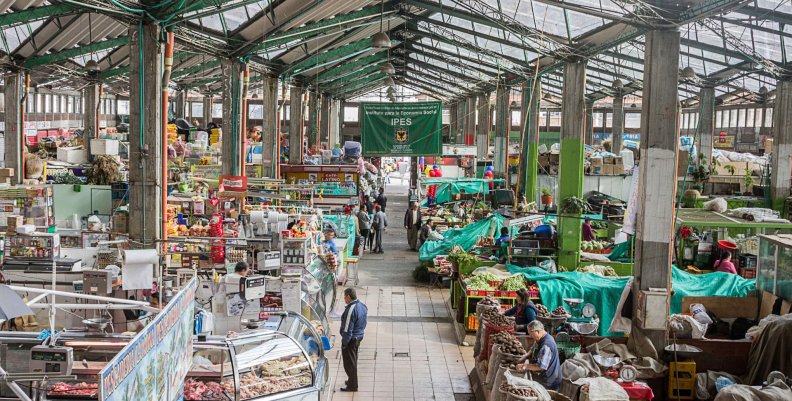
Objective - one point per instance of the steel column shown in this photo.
(617, 134)
(232, 116)
(502, 125)
(707, 122)
(296, 123)
(573, 124)
(483, 127)
(529, 155)
(782, 147)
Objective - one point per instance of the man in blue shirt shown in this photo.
(353, 324)
(548, 365)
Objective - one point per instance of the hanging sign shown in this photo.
(402, 129)
(154, 364)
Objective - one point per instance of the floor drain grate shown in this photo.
(397, 293)
(401, 354)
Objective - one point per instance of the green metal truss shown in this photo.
(371, 85)
(363, 78)
(209, 65)
(113, 73)
(350, 67)
(74, 52)
(360, 84)
(319, 27)
(331, 56)
(35, 13)
(355, 75)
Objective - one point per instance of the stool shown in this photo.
(352, 270)
(682, 380)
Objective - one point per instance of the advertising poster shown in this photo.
(402, 129)
(153, 365)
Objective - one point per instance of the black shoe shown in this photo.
(347, 389)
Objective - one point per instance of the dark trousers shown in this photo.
(364, 236)
(371, 238)
(378, 239)
(349, 353)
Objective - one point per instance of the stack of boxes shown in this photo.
(6, 175)
(608, 165)
(13, 222)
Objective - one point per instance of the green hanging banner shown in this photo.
(402, 129)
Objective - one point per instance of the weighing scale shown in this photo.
(583, 319)
(51, 359)
(252, 287)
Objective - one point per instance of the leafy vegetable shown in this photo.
(513, 283)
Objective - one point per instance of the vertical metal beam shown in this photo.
(324, 121)
(502, 125)
(573, 124)
(14, 107)
(270, 138)
(461, 107)
(483, 127)
(657, 174)
(453, 125)
(180, 101)
(706, 121)
(313, 119)
(296, 123)
(782, 148)
(336, 121)
(470, 121)
(232, 115)
(590, 123)
(145, 101)
(208, 102)
(91, 114)
(529, 160)
(617, 134)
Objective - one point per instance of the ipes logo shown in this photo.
(401, 135)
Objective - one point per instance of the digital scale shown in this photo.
(51, 359)
(97, 282)
(582, 320)
(252, 287)
(268, 260)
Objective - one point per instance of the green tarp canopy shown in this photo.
(466, 237)
(605, 292)
(446, 187)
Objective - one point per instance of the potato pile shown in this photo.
(489, 301)
(519, 391)
(561, 312)
(542, 310)
(508, 342)
(494, 317)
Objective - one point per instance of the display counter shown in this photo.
(319, 284)
(258, 365)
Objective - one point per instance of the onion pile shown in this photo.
(542, 310)
(560, 312)
(489, 301)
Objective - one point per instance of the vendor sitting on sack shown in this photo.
(524, 311)
(547, 368)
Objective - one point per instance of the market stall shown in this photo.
(285, 362)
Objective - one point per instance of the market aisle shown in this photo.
(409, 351)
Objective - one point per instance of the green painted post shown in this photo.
(532, 93)
(570, 172)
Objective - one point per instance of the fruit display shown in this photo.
(198, 390)
(542, 310)
(560, 312)
(89, 390)
(508, 342)
(518, 391)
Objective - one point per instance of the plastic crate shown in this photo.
(469, 267)
(747, 273)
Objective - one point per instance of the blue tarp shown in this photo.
(605, 292)
(466, 237)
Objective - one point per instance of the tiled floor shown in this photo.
(409, 351)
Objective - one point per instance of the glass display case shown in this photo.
(319, 284)
(286, 363)
(774, 270)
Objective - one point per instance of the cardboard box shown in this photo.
(608, 160)
(544, 161)
(682, 163)
(596, 165)
(104, 147)
(554, 159)
(6, 172)
(121, 223)
(76, 155)
(5, 180)
(618, 169)
(607, 169)
(617, 160)
(768, 145)
(14, 221)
